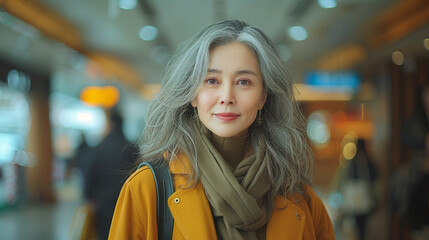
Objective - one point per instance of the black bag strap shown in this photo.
(164, 189)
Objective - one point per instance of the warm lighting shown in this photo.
(426, 43)
(107, 96)
(298, 33)
(149, 90)
(349, 150)
(343, 57)
(327, 3)
(304, 92)
(398, 58)
(339, 119)
(148, 33)
(396, 21)
(350, 137)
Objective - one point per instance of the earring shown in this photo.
(259, 119)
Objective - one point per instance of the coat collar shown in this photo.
(180, 164)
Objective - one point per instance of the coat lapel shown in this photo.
(192, 214)
(189, 206)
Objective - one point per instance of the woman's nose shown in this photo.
(227, 96)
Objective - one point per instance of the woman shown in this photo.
(226, 121)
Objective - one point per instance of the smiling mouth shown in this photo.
(227, 116)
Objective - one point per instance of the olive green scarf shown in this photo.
(239, 198)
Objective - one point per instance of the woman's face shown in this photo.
(232, 92)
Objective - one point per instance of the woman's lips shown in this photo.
(227, 116)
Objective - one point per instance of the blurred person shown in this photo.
(105, 168)
(358, 189)
(418, 210)
(77, 160)
(80, 152)
(415, 128)
(227, 123)
(408, 183)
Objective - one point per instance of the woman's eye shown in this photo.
(211, 81)
(243, 82)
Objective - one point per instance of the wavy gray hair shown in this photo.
(282, 134)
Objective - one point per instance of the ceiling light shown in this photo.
(148, 33)
(426, 43)
(327, 3)
(298, 33)
(127, 4)
(398, 58)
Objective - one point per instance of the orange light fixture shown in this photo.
(100, 96)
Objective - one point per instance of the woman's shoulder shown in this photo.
(310, 195)
(309, 192)
(142, 177)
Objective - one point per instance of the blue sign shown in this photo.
(333, 81)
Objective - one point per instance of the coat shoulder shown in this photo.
(142, 178)
(310, 196)
(135, 212)
(307, 200)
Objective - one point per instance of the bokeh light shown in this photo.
(349, 150)
(127, 4)
(298, 33)
(148, 33)
(327, 3)
(426, 43)
(398, 58)
(101, 96)
(317, 129)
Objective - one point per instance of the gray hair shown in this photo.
(282, 134)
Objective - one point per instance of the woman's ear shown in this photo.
(263, 100)
(194, 103)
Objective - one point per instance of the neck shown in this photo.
(232, 149)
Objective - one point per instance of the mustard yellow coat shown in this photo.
(135, 213)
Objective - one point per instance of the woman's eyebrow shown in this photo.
(213, 70)
(245, 71)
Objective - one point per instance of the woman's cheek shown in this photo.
(207, 99)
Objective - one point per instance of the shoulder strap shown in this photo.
(164, 189)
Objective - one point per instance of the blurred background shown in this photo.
(360, 67)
